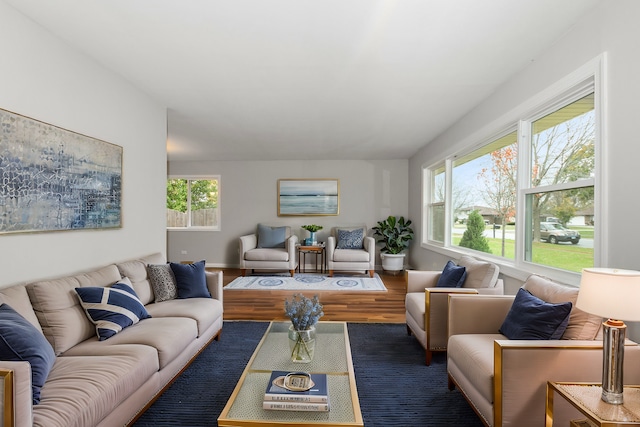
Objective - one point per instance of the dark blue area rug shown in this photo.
(395, 387)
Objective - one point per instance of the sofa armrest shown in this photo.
(22, 394)
(214, 284)
(290, 244)
(522, 369)
(498, 289)
(331, 247)
(369, 245)
(248, 242)
(419, 280)
(436, 314)
(477, 314)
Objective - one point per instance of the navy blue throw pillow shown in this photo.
(453, 276)
(112, 308)
(21, 341)
(191, 280)
(531, 318)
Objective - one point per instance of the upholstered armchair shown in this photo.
(505, 379)
(271, 248)
(350, 249)
(426, 303)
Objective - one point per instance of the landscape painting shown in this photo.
(308, 197)
(52, 179)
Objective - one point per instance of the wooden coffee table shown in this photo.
(332, 356)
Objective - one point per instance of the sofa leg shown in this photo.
(408, 330)
(450, 383)
(243, 272)
(330, 273)
(292, 272)
(371, 272)
(428, 354)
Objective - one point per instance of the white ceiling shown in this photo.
(309, 79)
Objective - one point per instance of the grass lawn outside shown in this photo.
(564, 256)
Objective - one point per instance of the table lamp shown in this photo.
(613, 294)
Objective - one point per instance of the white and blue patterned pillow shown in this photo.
(113, 308)
(350, 239)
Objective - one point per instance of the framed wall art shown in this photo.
(298, 197)
(53, 179)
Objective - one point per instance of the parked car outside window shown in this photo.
(554, 232)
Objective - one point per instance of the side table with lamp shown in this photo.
(613, 294)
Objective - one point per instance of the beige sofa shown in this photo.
(427, 306)
(110, 382)
(505, 380)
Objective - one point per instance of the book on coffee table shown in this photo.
(277, 397)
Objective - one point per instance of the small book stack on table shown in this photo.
(279, 398)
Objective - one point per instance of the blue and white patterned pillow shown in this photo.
(350, 239)
(112, 308)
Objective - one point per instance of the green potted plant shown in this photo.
(312, 228)
(395, 234)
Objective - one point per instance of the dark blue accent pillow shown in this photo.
(531, 318)
(453, 276)
(350, 239)
(21, 341)
(271, 237)
(112, 308)
(191, 280)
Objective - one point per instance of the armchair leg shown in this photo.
(450, 384)
(428, 354)
(292, 272)
(330, 273)
(408, 330)
(371, 272)
(243, 272)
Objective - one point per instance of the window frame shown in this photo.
(586, 79)
(190, 227)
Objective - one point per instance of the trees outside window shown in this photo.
(193, 203)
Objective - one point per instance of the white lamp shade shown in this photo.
(610, 293)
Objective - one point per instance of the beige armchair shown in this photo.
(505, 380)
(427, 305)
(271, 248)
(350, 254)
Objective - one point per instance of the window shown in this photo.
(193, 203)
(528, 194)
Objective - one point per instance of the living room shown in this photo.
(47, 79)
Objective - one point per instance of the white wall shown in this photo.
(44, 79)
(369, 191)
(611, 28)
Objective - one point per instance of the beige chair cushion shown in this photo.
(267, 254)
(480, 274)
(350, 255)
(582, 325)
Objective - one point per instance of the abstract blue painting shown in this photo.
(52, 179)
(308, 197)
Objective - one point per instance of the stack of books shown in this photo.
(279, 398)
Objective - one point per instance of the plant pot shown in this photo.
(392, 262)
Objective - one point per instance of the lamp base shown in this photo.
(614, 332)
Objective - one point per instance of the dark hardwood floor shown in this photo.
(345, 306)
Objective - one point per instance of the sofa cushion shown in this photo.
(63, 320)
(272, 254)
(582, 325)
(112, 308)
(350, 239)
(205, 311)
(531, 318)
(480, 274)
(163, 282)
(18, 298)
(21, 341)
(136, 271)
(271, 237)
(350, 255)
(453, 276)
(82, 390)
(191, 280)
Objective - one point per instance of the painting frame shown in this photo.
(55, 179)
(308, 197)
